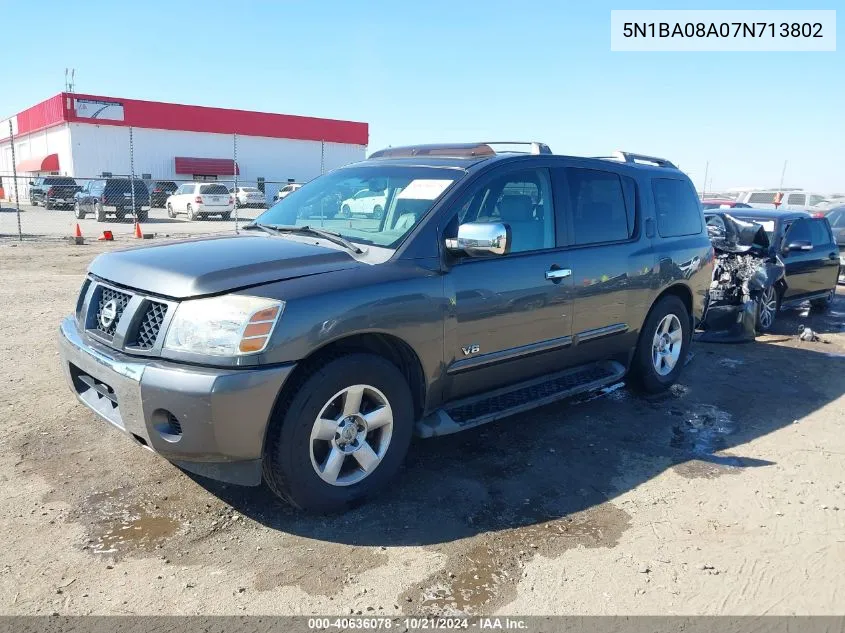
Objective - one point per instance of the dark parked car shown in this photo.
(308, 351)
(801, 244)
(160, 190)
(113, 196)
(53, 192)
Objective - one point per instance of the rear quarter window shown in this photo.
(677, 207)
(598, 206)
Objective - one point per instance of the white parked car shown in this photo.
(792, 200)
(250, 197)
(365, 202)
(287, 190)
(196, 199)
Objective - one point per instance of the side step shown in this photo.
(494, 405)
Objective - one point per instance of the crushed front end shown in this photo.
(745, 271)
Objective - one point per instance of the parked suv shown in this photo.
(113, 196)
(52, 192)
(160, 191)
(307, 351)
(197, 199)
(791, 200)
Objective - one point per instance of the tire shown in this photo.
(293, 456)
(767, 309)
(48, 205)
(78, 212)
(191, 215)
(99, 212)
(823, 305)
(33, 202)
(345, 211)
(226, 216)
(378, 212)
(170, 212)
(120, 216)
(648, 355)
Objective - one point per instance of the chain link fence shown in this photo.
(166, 180)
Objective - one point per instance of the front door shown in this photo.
(511, 314)
(802, 263)
(827, 256)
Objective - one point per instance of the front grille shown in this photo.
(150, 325)
(120, 298)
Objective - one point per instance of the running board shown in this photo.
(494, 405)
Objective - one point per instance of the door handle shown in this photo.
(558, 273)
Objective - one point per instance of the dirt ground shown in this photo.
(724, 496)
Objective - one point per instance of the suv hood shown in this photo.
(739, 236)
(193, 268)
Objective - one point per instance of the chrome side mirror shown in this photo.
(477, 239)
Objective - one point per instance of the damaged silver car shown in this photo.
(743, 297)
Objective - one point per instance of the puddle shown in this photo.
(486, 574)
(703, 430)
(119, 527)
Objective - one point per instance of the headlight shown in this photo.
(231, 325)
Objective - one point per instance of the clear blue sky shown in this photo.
(452, 71)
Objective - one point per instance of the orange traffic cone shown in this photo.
(77, 238)
(107, 236)
(138, 233)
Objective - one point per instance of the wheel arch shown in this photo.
(387, 346)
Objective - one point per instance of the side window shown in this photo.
(796, 198)
(597, 206)
(837, 219)
(677, 206)
(799, 231)
(522, 200)
(814, 200)
(819, 232)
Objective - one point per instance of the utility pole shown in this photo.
(782, 174)
(706, 170)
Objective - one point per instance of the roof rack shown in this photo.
(460, 150)
(631, 157)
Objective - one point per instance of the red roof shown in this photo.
(40, 163)
(207, 166)
(175, 116)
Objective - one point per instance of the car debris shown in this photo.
(809, 336)
(745, 272)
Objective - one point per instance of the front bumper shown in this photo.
(206, 420)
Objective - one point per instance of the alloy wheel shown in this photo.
(666, 345)
(351, 435)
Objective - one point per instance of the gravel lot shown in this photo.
(724, 496)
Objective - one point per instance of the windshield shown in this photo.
(377, 204)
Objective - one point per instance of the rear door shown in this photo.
(184, 195)
(609, 260)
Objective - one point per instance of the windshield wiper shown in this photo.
(278, 229)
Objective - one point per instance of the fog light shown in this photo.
(167, 425)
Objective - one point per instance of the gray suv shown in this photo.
(307, 350)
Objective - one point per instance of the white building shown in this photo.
(84, 136)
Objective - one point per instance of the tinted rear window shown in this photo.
(60, 181)
(764, 197)
(123, 185)
(597, 206)
(677, 206)
(214, 189)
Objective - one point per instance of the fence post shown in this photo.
(235, 169)
(322, 157)
(132, 173)
(15, 179)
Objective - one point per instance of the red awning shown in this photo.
(40, 163)
(207, 166)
